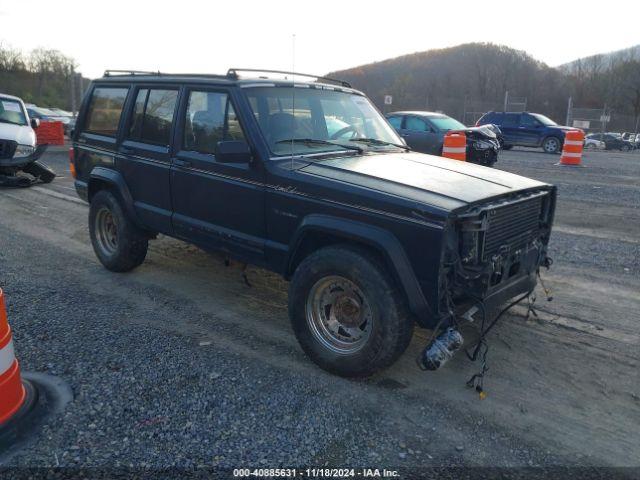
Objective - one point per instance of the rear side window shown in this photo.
(152, 116)
(511, 119)
(105, 109)
(416, 124)
(210, 119)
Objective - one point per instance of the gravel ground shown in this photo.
(181, 364)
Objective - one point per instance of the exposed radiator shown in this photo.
(512, 225)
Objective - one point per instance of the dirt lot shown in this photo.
(181, 363)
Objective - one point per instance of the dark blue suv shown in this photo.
(526, 129)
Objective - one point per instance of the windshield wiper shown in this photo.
(375, 141)
(318, 141)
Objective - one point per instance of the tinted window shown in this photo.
(153, 116)
(528, 121)
(511, 120)
(417, 124)
(211, 118)
(105, 109)
(396, 122)
(444, 123)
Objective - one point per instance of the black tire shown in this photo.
(119, 244)
(625, 148)
(41, 171)
(389, 322)
(552, 145)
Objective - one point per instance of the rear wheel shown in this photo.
(346, 312)
(118, 243)
(551, 145)
(625, 148)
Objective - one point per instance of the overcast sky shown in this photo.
(210, 36)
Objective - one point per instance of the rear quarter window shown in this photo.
(105, 110)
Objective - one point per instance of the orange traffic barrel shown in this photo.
(12, 390)
(455, 146)
(572, 148)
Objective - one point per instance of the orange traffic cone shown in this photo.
(13, 395)
(572, 148)
(455, 146)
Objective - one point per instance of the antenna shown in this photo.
(293, 91)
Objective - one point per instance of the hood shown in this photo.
(481, 132)
(564, 128)
(433, 180)
(22, 134)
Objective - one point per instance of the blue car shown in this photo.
(526, 129)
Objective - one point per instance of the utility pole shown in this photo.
(506, 100)
(569, 111)
(80, 89)
(72, 91)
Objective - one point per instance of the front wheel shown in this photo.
(346, 312)
(118, 243)
(41, 171)
(625, 148)
(551, 145)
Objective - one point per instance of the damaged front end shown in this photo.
(22, 170)
(493, 254)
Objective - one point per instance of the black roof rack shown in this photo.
(113, 73)
(233, 72)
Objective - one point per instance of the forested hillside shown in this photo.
(466, 80)
(42, 77)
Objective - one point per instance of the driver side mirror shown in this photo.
(35, 122)
(233, 151)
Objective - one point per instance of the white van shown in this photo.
(18, 152)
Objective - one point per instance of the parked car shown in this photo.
(322, 190)
(527, 129)
(19, 165)
(591, 143)
(48, 115)
(612, 141)
(424, 132)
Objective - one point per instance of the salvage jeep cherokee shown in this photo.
(307, 179)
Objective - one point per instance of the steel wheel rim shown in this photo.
(551, 145)
(106, 231)
(339, 315)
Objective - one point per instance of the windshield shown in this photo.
(307, 120)
(444, 123)
(11, 112)
(543, 120)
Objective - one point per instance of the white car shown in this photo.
(593, 144)
(18, 152)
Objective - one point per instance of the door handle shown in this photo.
(181, 163)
